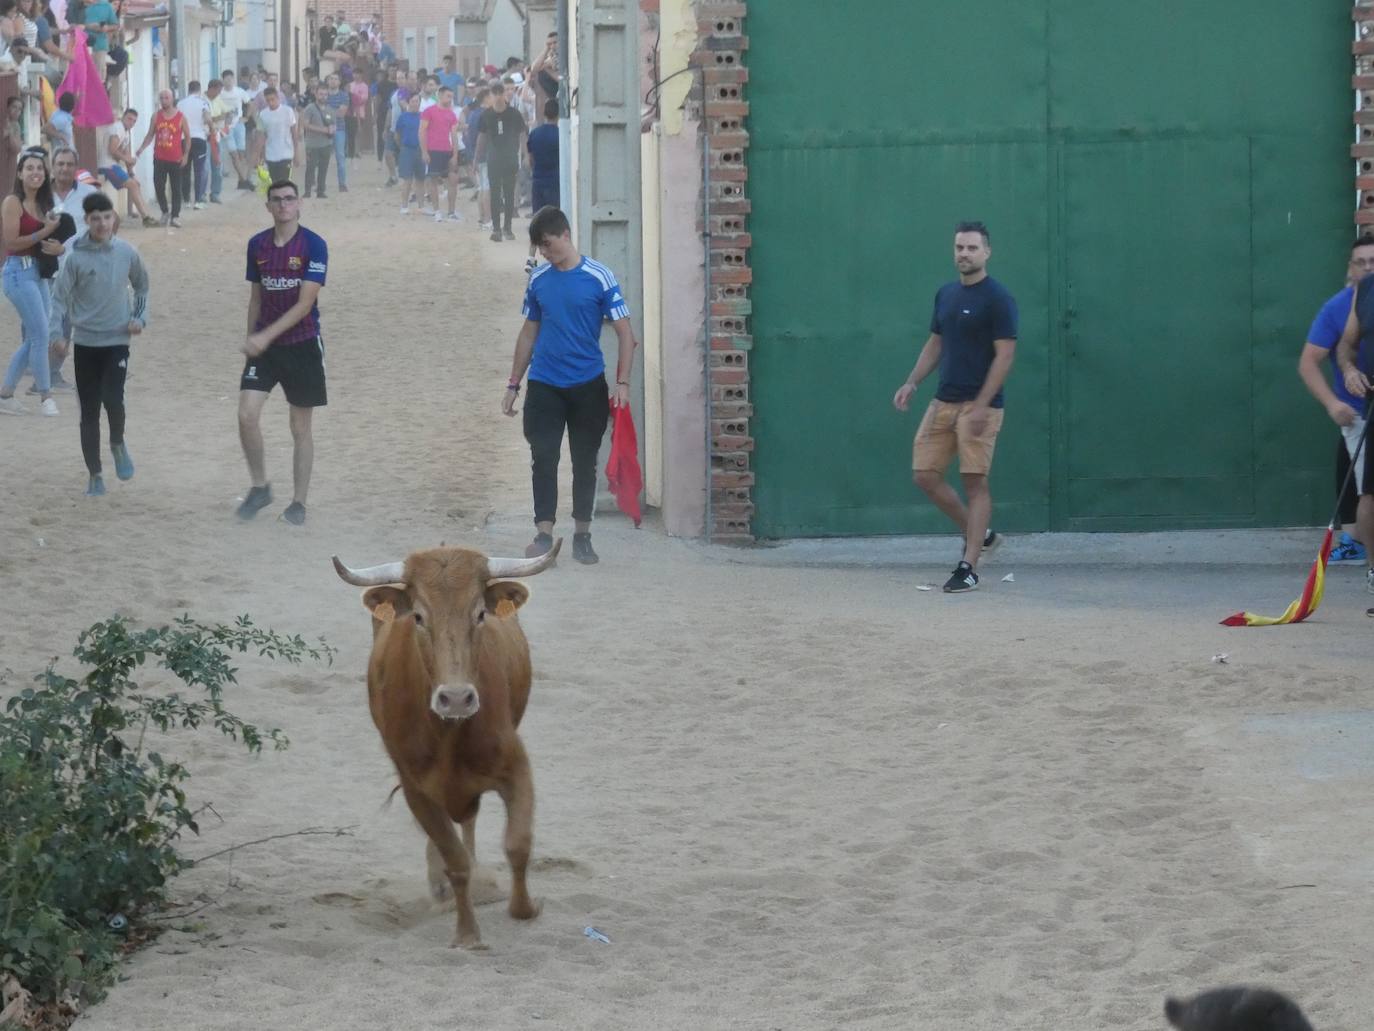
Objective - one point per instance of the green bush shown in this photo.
(90, 815)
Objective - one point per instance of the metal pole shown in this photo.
(564, 123)
(706, 330)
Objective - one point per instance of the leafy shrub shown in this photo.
(89, 814)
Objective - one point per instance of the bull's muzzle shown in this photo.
(454, 703)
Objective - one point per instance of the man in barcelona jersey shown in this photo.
(286, 265)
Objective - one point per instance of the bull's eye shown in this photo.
(419, 619)
(481, 616)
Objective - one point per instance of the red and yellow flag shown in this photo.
(1306, 603)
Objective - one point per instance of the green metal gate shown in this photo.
(1168, 193)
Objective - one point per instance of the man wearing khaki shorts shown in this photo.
(973, 342)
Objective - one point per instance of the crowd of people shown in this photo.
(79, 288)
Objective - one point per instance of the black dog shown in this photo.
(1236, 1009)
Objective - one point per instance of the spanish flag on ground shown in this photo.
(1306, 603)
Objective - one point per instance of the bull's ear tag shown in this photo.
(505, 608)
(385, 612)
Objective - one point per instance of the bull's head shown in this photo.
(444, 600)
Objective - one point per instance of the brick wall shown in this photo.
(421, 15)
(722, 48)
(359, 11)
(1363, 82)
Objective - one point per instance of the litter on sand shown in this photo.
(1010, 578)
(925, 587)
(1221, 658)
(595, 935)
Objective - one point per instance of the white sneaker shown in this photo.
(425, 209)
(11, 406)
(438, 217)
(405, 211)
(48, 407)
(1369, 581)
(199, 205)
(530, 265)
(454, 216)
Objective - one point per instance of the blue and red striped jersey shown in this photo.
(280, 271)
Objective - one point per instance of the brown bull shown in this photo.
(447, 684)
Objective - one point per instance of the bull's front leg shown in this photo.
(518, 794)
(436, 823)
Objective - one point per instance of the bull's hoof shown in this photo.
(440, 889)
(469, 942)
(528, 911)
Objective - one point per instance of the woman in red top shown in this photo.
(27, 219)
(171, 152)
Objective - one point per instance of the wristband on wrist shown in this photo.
(622, 383)
(513, 385)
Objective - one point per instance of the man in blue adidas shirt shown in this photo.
(560, 344)
(1343, 407)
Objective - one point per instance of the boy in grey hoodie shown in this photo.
(92, 290)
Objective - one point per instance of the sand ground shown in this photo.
(834, 802)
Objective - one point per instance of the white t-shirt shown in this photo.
(234, 99)
(196, 110)
(71, 203)
(427, 102)
(281, 144)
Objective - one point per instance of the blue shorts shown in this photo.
(115, 176)
(408, 164)
(543, 195)
(237, 137)
(438, 163)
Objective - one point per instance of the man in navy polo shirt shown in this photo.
(560, 344)
(972, 342)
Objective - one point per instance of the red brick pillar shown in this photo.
(725, 108)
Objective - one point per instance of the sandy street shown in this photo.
(835, 802)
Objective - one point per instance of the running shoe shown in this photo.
(11, 406)
(539, 546)
(962, 580)
(1348, 550)
(582, 549)
(454, 216)
(165, 219)
(198, 205)
(530, 265)
(124, 465)
(1369, 580)
(258, 497)
(294, 514)
(495, 236)
(149, 222)
(60, 383)
(48, 407)
(405, 211)
(215, 200)
(483, 224)
(342, 189)
(175, 223)
(438, 216)
(95, 486)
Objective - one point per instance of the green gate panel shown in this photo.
(1158, 336)
(1168, 191)
(827, 361)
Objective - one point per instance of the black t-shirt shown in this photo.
(503, 135)
(327, 36)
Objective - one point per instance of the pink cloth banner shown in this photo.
(92, 102)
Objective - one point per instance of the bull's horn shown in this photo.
(372, 576)
(508, 567)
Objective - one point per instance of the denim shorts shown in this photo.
(408, 164)
(237, 137)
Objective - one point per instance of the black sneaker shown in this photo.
(991, 543)
(582, 549)
(294, 514)
(961, 580)
(540, 545)
(343, 189)
(496, 236)
(258, 497)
